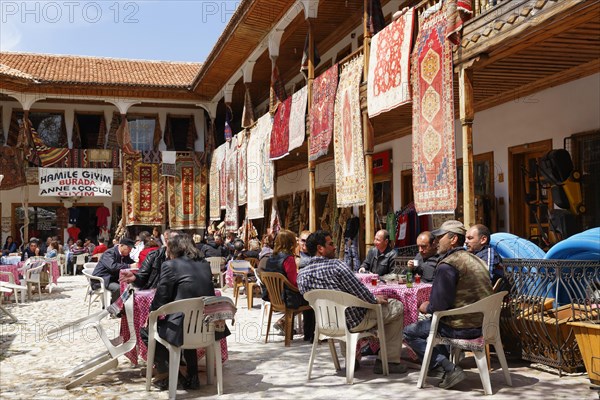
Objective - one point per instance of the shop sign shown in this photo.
(76, 182)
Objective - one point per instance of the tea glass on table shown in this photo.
(374, 281)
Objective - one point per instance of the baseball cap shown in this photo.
(127, 242)
(450, 226)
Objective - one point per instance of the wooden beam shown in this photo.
(368, 143)
(312, 195)
(467, 112)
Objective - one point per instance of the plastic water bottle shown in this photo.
(409, 279)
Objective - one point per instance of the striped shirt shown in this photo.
(334, 274)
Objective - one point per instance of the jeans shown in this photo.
(416, 336)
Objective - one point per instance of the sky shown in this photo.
(177, 30)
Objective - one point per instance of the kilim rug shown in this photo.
(389, 66)
(242, 145)
(348, 141)
(222, 178)
(248, 111)
(12, 167)
(47, 155)
(457, 13)
(265, 126)
(144, 192)
(280, 134)
(433, 157)
(152, 156)
(321, 112)
(90, 158)
(231, 210)
(214, 183)
(254, 173)
(187, 194)
(298, 119)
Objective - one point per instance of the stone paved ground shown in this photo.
(32, 364)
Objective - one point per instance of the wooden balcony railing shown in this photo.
(479, 6)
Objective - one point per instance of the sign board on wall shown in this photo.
(70, 182)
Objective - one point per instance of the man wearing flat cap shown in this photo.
(112, 261)
(461, 278)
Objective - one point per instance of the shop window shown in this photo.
(89, 130)
(180, 130)
(49, 126)
(141, 130)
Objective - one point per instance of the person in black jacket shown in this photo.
(184, 275)
(110, 264)
(147, 276)
(380, 259)
(215, 248)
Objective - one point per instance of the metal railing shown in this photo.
(544, 295)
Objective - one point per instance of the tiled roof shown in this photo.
(49, 68)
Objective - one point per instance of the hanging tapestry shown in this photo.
(168, 162)
(187, 193)
(124, 136)
(457, 13)
(280, 134)
(321, 112)
(265, 126)
(254, 173)
(434, 169)
(90, 158)
(348, 140)
(389, 66)
(46, 155)
(12, 167)
(242, 144)
(248, 111)
(277, 92)
(143, 192)
(214, 183)
(298, 119)
(152, 156)
(231, 210)
(111, 141)
(222, 178)
(228, 117)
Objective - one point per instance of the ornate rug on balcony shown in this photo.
(255, 204)
(187, 194)
(215, 183)
(280, 134)
(298, 119)
(90, 158)
(231, 212)
(321, 112)
(347, 137)
(39, 153)
(12, 167)
(265, 127)
(242, 145)
(389, 66)
(457, 13)
(222, 178)
(143, 192)
(433, 156)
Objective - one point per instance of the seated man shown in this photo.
(380, 259)
(427, 257)
(98, 250)
(478, 243)
(461, 278)
(113, 261)
(215, 248)
(32, 250)
(325, 272)
(183, 276)
(149, 272)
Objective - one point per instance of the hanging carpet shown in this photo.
(254, 173)
(242, 144)
(187, 193)
(280, 134)
(389, 66)
(298, 119)
(321, 112)
(231, 210)
(348, 140)
(265, 126)
(433, 156)
(12, 167)
(215, 183)
(143, 192)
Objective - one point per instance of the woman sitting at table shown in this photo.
(150, 245)
(284, 262)
(77, 249)
(184, 275)
(9, 246)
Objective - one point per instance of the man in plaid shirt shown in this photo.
(326, 272)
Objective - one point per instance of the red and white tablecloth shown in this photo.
(366, 278)
(142, 299)
(14, 269)
(411, 298)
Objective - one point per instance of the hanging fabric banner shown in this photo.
(222, 178)
(348, 140)
(457, 13)
(143, 192)
(265, 126)
(254, 173)
(388, 85)
(187, 193)
(248, 112)
(242, 144)
(321, 112)
(67, 182)
(277, 92)
(231, 210)
(215, 183)
(228, 118)
(433, 154)
(280, 134)
(298, 119)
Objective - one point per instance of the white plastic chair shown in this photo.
(265, 307)
(13, 286)
(196, 334)
(490, 307)
(33, 277)
(62, 264)
(49, 262)
(4, 310)
(106, 360)
(80, 261)
(215, 268)
(96, 294)
(330, 323)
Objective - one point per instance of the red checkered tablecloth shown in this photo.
(14, 269)
(141, 308)
(366, 278)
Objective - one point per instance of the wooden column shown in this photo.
(312, 196)
(465, 85)
(368, 142)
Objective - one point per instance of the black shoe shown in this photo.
(192, 383)
(394, 368)
(310, 338)
(161, 384)
(367, 351)
(452, 378)
(437, 372)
